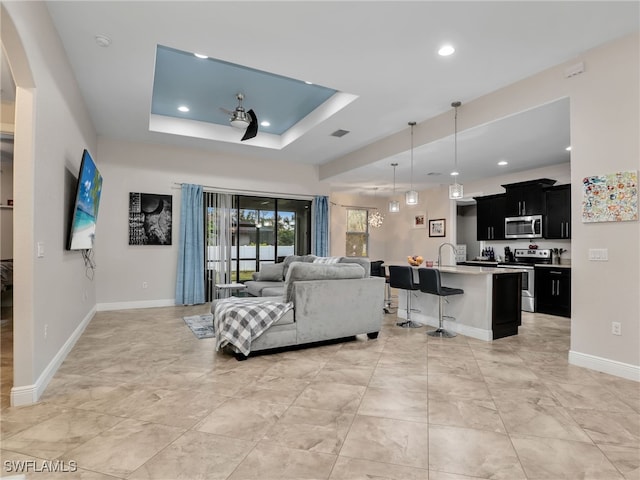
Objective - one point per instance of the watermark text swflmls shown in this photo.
(39, 466)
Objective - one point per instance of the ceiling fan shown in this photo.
(239, 118)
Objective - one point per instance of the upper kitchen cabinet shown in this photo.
(526, 198)
(557, 221)
(491, 217)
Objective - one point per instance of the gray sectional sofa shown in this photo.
(330, 301)
(269, 281)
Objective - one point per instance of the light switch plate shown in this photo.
(40, 248)
(599, 254)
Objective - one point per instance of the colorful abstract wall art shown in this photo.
(610, 198)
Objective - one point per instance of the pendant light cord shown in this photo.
(455, 140)
(412, 124)
(394, 165)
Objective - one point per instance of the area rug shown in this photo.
(201, 325)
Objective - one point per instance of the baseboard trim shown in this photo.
(105, 307)
(605, 365)
(30, 394)
(466, 330)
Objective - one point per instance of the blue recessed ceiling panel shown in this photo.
(206, 85)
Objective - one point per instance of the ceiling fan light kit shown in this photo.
(241, 119)
(456, 190)
(411, 197)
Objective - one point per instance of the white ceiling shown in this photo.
(383, 52)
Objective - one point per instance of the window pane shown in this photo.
(356, 245)
(357, 221)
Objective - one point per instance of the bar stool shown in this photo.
(402, 278)
(378, 269)
(430, 283)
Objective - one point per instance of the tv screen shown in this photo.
(85, 208)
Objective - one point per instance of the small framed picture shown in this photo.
(419, 221)
(437, 227)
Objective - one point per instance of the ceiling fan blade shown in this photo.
(228, 112)
(252, 129)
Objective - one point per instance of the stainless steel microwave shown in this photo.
(523, 227)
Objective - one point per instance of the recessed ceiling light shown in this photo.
(199, 55)
(183, 108)
(454, 173)
(264, 123)
(446, 50)
(568, 149)
(308, 83)
(502, 163)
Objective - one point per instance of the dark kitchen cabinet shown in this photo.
(526, 198)
(506, 314)
(490, 210)
(553, 291)
(558, 212)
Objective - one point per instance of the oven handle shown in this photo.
(516, 267)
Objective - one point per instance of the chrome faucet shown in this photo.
(453, 247)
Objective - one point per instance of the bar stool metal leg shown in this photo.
(440, 331)
(409, 323)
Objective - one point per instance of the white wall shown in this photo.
(604, 136)
(52, 127)
(136, 167)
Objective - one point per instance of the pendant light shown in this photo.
(455, 190)
(376, 218)
(411, 197)
(394, 205)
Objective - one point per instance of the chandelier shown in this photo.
(375, 219)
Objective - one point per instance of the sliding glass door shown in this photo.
(258, 230)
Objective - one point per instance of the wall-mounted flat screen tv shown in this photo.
(82, 228)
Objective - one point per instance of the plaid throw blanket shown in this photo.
(239, 321)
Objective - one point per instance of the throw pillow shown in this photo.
(327, 260)
(271, 272)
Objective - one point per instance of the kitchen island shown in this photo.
(490, 308)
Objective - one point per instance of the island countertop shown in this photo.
(471, 270)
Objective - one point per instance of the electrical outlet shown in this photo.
(616, 328)
(145, 285)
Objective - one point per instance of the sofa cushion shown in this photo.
(288, 260)
(299, 271)
(364, 262)
(271, 272)
(255, 288)
(274, 291)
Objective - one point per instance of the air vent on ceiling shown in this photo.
(339, 133)
(434, 174)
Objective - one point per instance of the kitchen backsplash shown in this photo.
(498, 247)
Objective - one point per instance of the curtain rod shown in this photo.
(239, 191)
(354, 206)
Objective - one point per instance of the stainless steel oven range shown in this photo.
(526, 259)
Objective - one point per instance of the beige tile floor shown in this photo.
(140, 397)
